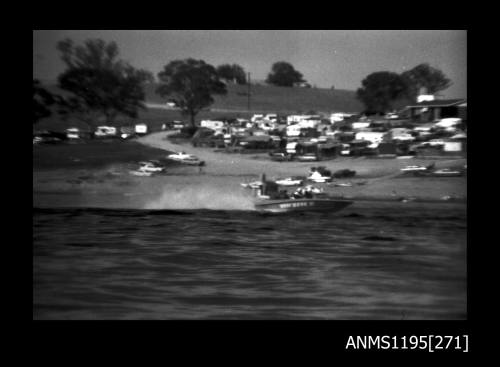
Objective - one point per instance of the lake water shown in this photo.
(373, 260)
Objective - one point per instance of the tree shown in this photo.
(283, 74)
(232, 73)
(425, 76)
(101, 85)
(380, 89)
(191, 84)
(42, 100)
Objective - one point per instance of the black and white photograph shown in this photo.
(250, 175)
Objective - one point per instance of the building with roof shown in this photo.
(432, 110)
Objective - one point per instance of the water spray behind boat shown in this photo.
(211, 194)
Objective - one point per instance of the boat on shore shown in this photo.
(419, 169)
(185, 158)
(319, 175)
(414, 168)
(444, 172)
(447, 172)
(290, 181)
(141, 173)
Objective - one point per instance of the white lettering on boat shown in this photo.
(294, 205)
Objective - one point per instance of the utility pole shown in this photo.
(248, 91)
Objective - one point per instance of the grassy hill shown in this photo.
(266, 98)
(232, 105)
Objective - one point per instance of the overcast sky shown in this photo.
(325, 58)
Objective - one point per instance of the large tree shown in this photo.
(233, 73)
(191, 84)
(425, 76)
(101, 85)
(42, 100)
(283, 74)
(380, 89)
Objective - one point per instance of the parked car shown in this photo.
(73, 133)
(151, 166)
(105, 132)
(279, 156)
(171, 104)
(404, 137)
(358, 148)
(177, 125)
(49, 137)
(434, 142)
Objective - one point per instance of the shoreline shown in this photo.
(217, 185)
(375, 178)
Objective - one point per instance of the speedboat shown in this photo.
(185, 158)
(270, 199)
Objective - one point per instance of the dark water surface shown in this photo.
(370, 261)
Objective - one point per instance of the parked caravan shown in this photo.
(141, 129)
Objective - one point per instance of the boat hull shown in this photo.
(299, 205)
(188, 162)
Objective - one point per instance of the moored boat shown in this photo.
(141, 173)
(413, 168)
(447, 172)
(290, 181)
(319, 175)
(186, 159)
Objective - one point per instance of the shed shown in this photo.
(428, 111)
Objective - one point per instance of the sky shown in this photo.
(339, 58)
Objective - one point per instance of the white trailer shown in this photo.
(212, 124)
(141, 129)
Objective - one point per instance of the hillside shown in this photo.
(263, 99)
(266, 98)
(278, 99)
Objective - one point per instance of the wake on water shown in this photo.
(113, 187)
(201, 197)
